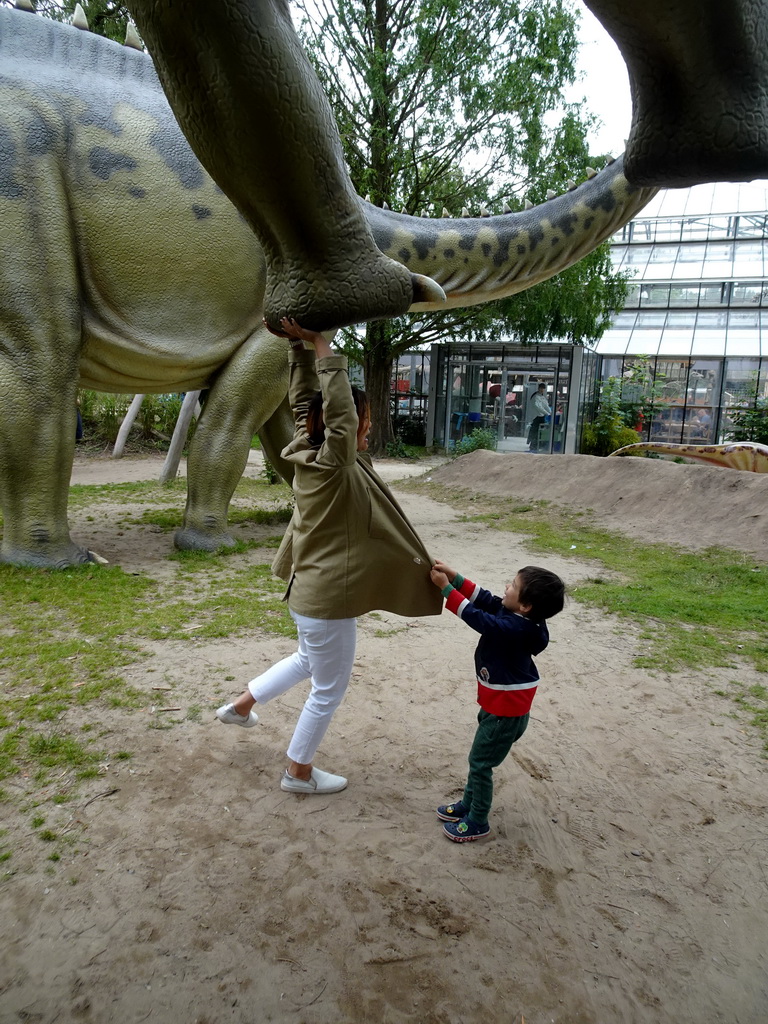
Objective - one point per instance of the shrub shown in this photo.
(397, 449)
(411, 431)
(751, 423)
(608, 431)
(604, 442)
(477, 439)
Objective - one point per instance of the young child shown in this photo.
(512, 629)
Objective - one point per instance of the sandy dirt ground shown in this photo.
(625, 881)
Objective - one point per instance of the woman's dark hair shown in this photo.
(542, 590)
(315, 421)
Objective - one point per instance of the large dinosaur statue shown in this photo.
(253, 110)
(125, 269)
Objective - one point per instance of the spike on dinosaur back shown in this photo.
(79, 19)
(132, 37)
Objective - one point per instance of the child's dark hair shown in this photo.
(542, 590)
(315, 420)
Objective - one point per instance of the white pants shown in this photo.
(326, 654)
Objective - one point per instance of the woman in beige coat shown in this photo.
(348, 549)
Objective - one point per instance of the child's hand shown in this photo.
(446, 569)
(439, 578)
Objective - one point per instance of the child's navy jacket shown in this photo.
(507, 677)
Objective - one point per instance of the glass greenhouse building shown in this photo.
(697, 307)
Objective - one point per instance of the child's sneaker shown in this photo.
(452, 812)
(229, 716)
(466, 831)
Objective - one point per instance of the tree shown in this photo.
(104, 18)
(456, 104)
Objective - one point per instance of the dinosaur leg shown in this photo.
(37, 442)
(39, 351)
(253, 110)
(698, 71)
(274, 434)
(244, 395)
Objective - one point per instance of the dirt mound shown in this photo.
(695, 506)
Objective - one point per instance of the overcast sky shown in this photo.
(604, 84)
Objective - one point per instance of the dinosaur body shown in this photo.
(744, 455)
(125, 268)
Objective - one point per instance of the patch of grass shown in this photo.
(66, 637)
(751, 701)
(142, 491)
(696, 609)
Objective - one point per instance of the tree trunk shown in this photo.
(377, 366)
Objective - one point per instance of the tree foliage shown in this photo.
(458, 104)
(104, 18)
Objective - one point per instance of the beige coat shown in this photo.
(349, 547)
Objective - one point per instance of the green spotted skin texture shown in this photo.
(125, 268)
(479, 259)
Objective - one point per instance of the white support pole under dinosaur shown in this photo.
(189, 407)
(125, 426)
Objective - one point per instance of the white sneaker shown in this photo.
(319, 782)
(229, 716)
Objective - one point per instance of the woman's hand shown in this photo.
(446, 570)
(294, 332)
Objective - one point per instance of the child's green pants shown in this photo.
(493, 741)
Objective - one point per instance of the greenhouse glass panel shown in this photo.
(682, 294)
(667, 231)
(613, 341)
(637, 255)
(647, 319)
(748, 259)
(746, 293)
(752, 225)
(618, 254)
(642, 230)
(644, 342)
(695, 228)
(740, 377)
(708, 343)
(714, 293)
(677, 319)
(685, 271)
(655, 295)
(625, 320)
(711, 319)
(664, 253)
(742, 343)
(691, 253)
(675, 343)
(742, 318)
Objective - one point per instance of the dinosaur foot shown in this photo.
(350, 291)
(63, 556)
(190, 538)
